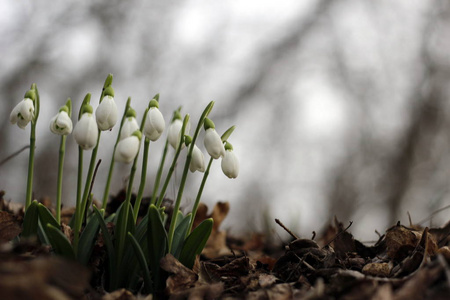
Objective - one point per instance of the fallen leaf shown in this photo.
(10, 226)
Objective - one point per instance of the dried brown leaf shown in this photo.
(10, 226)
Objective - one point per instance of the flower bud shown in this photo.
(106, 113)
(128, 148)
(154, 124)
(230, 163)
(174, 132)
(86, 130)
(213, 143)
(197, 161)
(130, 125)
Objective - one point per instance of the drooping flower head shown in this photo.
(154, 124)
(130, 124)
(106, 112)
(61, 123)
(128, 148)
(86, 130)
(23, 112)
(198, 159)
(213, 142)
(230, 163)
(174, 132)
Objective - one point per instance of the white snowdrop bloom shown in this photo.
(22, 113)
(213, 143)
(197, 161)
(127, 149)
(86, 131)
(174, 132)
(154, 124)
(130, 125)
(230, 164)
(61, 124)
(106, 113)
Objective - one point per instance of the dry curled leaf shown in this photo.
(10, 226)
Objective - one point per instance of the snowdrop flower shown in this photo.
(128, 148)
(61, 124)
(106, 113)
(154, 124)
(23, 112)
(174, 133)
(213, 142)
(230, 163)
(130, 124)
(86, 130)
(198, 159)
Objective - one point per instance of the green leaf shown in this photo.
(109, 246)
(179, 234)
(46, 216)
(30, 221)
(87, 240)
(142, 262)
(195, 243)
(130, 226)
(59, 242)
(157, 243)
(227, 133)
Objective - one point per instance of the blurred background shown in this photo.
(341, 107)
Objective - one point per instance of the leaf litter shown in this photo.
(405, 263)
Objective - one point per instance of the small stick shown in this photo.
(14, 154)
(287, 230)
(338, 234)
(313, 235)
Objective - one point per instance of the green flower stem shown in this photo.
(79, 177)
(30, 166)
(62, 151)
(174, 163)
(123, 233)
(159, 173)
(199, 195)
(82, 208)
(111, 164)
(137, 204)
(185, 172)
(29, 193)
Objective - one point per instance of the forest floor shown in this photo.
(407, 262)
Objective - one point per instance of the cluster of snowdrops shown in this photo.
(134, 248)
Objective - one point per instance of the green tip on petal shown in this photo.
(138, 134)
(87, 108)
(30, 94)
(108, 81)
(130, 113)
(187, 140)
(228, 146)
(176, 115)
(153, 103)
(109, 91)
(209, 124)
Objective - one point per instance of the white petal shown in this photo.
(154, 125)
(27, 109)
(86, 132)
(106, 113)
(130, 125)
(230, 164)
(127, 149)
(213, 144)
(173, 134)
(14, 116)
(197, 161)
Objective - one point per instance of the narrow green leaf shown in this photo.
(30, 221)
(157, 243)
(46, 216)
(195, 243)
(227, 133)
(179, 235)
(109, 246)
(87, 240)
(142, 262)
(59, 242)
